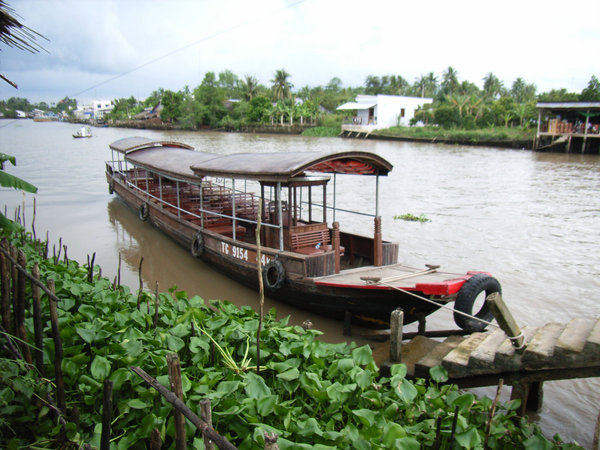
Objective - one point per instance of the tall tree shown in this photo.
(230, 83)
(450, 81)
(249, 87)
(592, 92)
(492, 86)
(522, 92)
(372, 85)
(282, 88)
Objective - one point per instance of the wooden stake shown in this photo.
(206, 415)
(5, 271)
(20, 313)
(155, 440)
(396, 322)
(200, 424)
(107, 406)
(156, 307)
(176, 387)
(140, 292)
(488, 425)
(261, 289)
(37, 322)
(58, 353)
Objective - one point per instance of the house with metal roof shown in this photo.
(372, 112)
(568, 126)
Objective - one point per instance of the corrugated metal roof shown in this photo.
(568, 105)
(355, 105)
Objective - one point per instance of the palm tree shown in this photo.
(450, 80)
(250, 87)
(282, 88)
(492, 86)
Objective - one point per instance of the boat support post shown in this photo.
(280, 215)
(233, 206)
(334, 193)
(377, 240)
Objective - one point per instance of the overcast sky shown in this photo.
(111, 49)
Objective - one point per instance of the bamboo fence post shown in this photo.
(261, 289)
(107, 405)
(206, 415)
(140, 293)
(156, 306)
(155, 440)
(200, 424)
(37, 321)
(488, 425)
(20, 314)
(90, 277)
(271, 441)
(5, 270)
(175, 380)
(58, 353)
(15, 286)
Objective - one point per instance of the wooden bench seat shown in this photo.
(306, 242)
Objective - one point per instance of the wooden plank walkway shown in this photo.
(550, 352)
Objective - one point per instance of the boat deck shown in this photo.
(397, 275)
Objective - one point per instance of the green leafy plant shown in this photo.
(310, 393)
(411, 218)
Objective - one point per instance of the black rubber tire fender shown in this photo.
(198, 245)
(144, 211)
(465, 300)
(273, 275)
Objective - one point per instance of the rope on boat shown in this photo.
(512, 338)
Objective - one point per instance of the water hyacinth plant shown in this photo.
(311, 394)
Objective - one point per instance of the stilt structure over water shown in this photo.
(572, 127)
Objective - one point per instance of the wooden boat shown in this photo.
(210, 204)
(83, 132)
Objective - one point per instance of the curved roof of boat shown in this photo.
(181, 161)
(285, 166)
(132, 144)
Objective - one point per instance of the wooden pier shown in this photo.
(523, 358)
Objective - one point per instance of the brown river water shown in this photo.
(531, 219)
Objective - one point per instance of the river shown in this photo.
(531, 219)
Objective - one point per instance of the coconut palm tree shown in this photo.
(282, 88)
(492, 86)
(249, 87)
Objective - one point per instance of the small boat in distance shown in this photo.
(209, 203)
(83, 132)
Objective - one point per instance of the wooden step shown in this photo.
(457, 360)
(540, 351)
(435, 357)
(570, 344)
(414, 350)
(507, 358)
(592, 343)
(482, 358)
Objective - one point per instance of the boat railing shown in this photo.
(198, 214)
(333, 208)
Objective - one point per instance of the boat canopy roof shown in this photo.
(286, 166)
(132, 144)
(181, 161)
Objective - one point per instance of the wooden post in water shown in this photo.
(505, 319)
(396, 322)
(176, 387)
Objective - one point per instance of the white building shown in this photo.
(381, 111)
(100, 107)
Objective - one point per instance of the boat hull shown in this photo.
(369, 306)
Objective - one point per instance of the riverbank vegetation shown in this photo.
(309, 393)
(495, 111)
